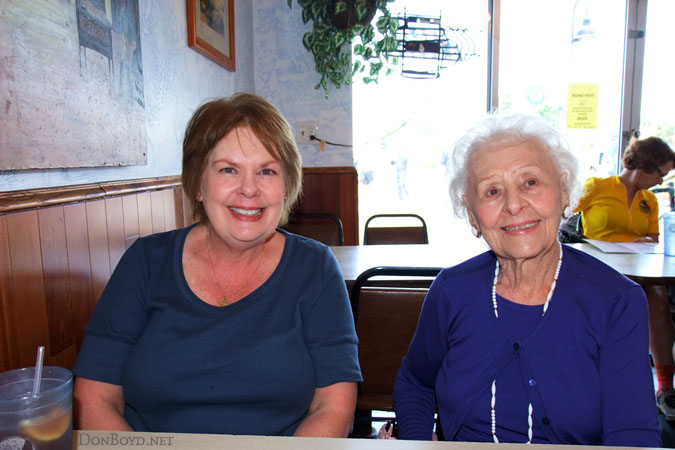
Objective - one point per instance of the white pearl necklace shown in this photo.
(493, 400)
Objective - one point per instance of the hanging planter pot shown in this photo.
(356, 12)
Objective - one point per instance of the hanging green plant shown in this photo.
(336, 25)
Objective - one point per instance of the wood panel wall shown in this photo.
(332, 190)
(58, 248)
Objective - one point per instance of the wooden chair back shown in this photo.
(323, 227)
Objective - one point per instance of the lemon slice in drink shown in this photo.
(48, 427)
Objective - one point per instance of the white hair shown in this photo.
(513, 128)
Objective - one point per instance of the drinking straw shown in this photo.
(38, 371)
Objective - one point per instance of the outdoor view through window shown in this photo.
(568, 71)
(404, 127)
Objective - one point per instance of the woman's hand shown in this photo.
(331, 412)
(99, 406)
(649, 239)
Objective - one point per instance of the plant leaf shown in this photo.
(308, 40)
(361, 9)
(306, 15)
(323, 29)
(336, 78)
(357, 28)
(383, 23)
(340, 7)
(357, 65)
(390, 43)
(394, 25)
(368, 34)
(339, 38)
(317, 9)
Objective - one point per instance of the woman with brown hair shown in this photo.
(231, 325)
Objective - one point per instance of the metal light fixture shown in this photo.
(425, 46)
(585, 31)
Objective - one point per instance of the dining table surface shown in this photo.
(107, 440)
(644, 268)
(355, 259)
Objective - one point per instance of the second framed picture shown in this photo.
(211, 30)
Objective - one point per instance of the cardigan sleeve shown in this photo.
(414, 397)
(627, 391)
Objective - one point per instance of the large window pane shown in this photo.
(563, 60)
(658, 95)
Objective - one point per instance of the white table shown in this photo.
(644, 268)
(108, 440)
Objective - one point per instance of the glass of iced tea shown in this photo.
(38, 422)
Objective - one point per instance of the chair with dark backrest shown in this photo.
(400, 234)
(571, 231)
(385, 314)
(323, 227)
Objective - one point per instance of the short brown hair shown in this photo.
(215, 119)
(647, 154)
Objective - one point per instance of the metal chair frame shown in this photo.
(405, 215)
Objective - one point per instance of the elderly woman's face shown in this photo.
(242, 189)
(515, 198)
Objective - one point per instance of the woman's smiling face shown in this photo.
(242, 189)
(515, 198)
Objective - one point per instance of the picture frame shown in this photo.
(210, 25)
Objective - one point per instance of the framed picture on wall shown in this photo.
(211, 30)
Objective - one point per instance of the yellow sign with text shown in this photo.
(582, 105)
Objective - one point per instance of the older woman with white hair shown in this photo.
(532, 341)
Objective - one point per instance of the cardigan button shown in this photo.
(545, 421)
(532, 382)
(516, 346)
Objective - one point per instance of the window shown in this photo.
(404, 128)
(595, 69)
(568, 71)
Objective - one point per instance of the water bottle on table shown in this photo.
(669, 234)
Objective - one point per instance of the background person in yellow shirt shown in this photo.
(621, 209)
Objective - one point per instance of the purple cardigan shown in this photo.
(584, 365)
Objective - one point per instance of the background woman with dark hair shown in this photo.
(622, 209)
